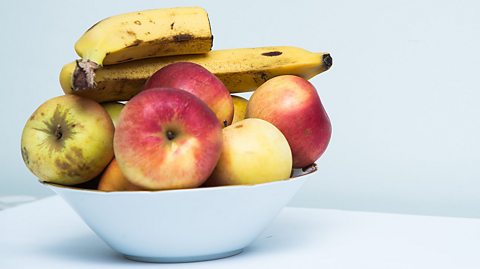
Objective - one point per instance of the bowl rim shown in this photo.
(308, 170)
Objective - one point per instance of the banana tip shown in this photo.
(327, 60)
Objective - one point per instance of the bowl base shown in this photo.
(186, 258)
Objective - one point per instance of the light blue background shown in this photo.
(403, 93)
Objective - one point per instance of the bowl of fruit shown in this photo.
(152, 149)
(182, 225)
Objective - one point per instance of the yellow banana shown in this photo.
(239, 69)
(145, 34)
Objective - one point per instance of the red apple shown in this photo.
(200, 82)
(292, 104)
(167, 139)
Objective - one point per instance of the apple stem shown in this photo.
(170, 135)
(58, 132)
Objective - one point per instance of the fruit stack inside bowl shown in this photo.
(150, 106)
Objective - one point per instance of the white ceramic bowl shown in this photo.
(182, 225)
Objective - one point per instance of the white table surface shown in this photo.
(48, 234)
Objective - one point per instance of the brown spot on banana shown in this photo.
(264, 76)
(272, 53)
(135, 43)
(137, 22)
(171, 25)
(182, 37)
(261, 77)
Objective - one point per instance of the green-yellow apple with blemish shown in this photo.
(113, 109)
(254, 151)
(68, 140)
(239, 108)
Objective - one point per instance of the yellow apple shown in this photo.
(113, 109)
(239, 108)
(254, 151)
(68, 140)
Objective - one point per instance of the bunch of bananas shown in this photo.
(119, 53)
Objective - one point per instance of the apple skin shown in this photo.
(254, 151)
(68, 140)
(113, 109)
(113, 179)
(167, 139)
(239, 108)
(292, 104)
(200, 82)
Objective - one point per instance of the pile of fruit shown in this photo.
(149, 107)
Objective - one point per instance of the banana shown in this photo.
(239, 69)
(145, 34)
